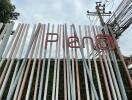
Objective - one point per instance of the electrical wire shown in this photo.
(121, 18)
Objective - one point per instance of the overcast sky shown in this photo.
(66, 11)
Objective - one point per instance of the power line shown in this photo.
(121, 18)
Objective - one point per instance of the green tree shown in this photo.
(7, 11)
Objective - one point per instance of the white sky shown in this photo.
(66, 11)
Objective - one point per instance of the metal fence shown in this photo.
(59, 62)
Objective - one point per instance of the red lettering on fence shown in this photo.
(92, 43)
(104, 41)
(47, 40)
(72, 42)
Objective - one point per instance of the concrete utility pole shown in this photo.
(100, 12)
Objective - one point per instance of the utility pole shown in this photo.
(100, 12)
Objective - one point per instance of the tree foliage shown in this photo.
(7, 11)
